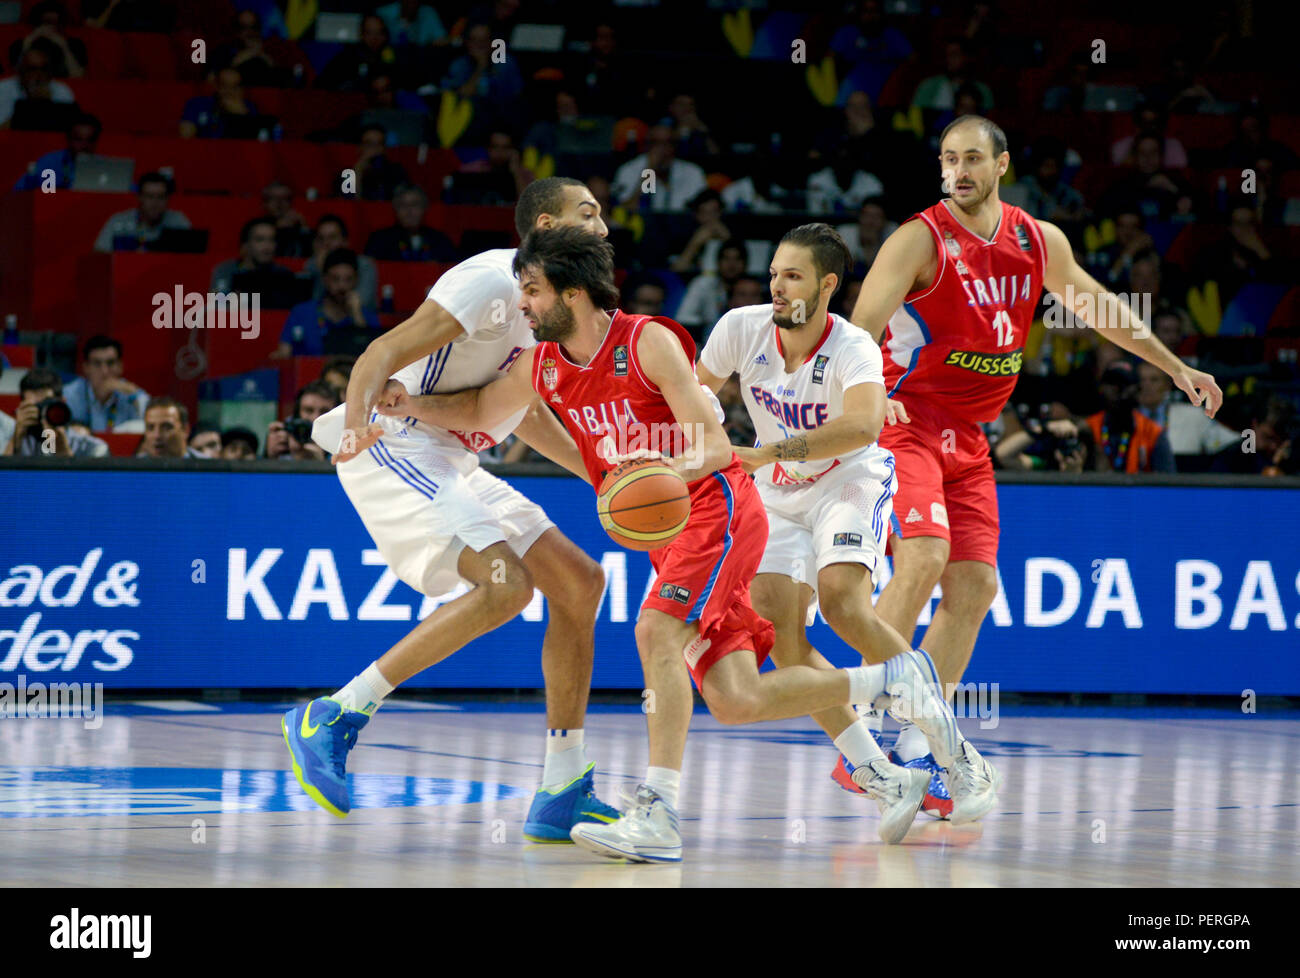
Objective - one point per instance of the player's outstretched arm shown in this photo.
(1115, 320)
(857, 427)
(541, 431)
(429, 328)
(906, 261)
(666, 365)
(473, 409)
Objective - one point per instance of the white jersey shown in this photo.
(747, 341)
(483, 294)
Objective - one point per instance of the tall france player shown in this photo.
(814, 388)
(438, 519)
(950, 298)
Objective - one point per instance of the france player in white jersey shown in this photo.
(814, 388)
(438, 519)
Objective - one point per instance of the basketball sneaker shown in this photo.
(896, 790)
(319, 750)
(937, 803)
(974, 783)
(554, 813)
(647, 832)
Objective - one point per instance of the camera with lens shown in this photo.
(299, 429)
(1045, 444)
(53, 413)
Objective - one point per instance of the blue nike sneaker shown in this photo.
(320, 750)
(554, 813)
(937, 802)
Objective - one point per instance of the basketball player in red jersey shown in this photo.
(624, 383)
(953, 293)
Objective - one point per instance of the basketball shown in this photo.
(643, 504)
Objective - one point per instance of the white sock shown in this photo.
(857, 745)
(911, 743)
(366, 691)
(566, 757)
(666, 782)
(875, 719)
(866, 683)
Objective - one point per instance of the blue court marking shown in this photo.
(44, 792)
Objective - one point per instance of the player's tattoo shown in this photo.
(794, 448)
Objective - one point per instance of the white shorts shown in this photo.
(842, 518)
(423, 505)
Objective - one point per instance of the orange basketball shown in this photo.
(643, 504)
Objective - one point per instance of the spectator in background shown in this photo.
(847, 297)
(29, 438)
(101, 397)
(1240, 258)
(1111, 264)
(412, 23)
(205, 440)
(1155, 193)
(939, 92)
(32, 81)
(501, 174)
(1149, 119)
(857, 136)
(340, 309)
(865, 237)
(842, 186)
(247, 55)
(83, 136)
(292, 235)
(337, 372)
(410, 239)
(1070, 92)
(1252, 141)
(1146, 278)
(1032, 443)
(676, 182)
(1172, 327)
(225, 114)
(692, 138)
(605, 79)
(746, 291)
(294, 439)
(1126, 439)
(1189, 430)
(49, 21)
(1276, 428)
(129, 230)
(255, 271)
(477, 75)
(167, 430)
(647, 297)
(708, 235)
(331, 235)
(1043, 194)
(706, 297)
(870, 48)
(238, 443)
(375, 176)
(382, 93)
(349, 70)
(737, 423)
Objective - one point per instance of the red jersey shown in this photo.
(608, 405)
(957, 344)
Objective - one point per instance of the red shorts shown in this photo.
(703, 576)
(945, 482)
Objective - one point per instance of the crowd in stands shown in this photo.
(1171, 162)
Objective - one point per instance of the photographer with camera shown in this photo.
(291, 438)
(1127, 440)
(1038, 441)
(42, 419)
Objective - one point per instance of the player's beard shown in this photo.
(556, 324)
(786, 320)
(973, 202)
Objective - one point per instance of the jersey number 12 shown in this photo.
(1002, 323)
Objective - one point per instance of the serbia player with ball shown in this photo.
(814, 387)
(625, 383)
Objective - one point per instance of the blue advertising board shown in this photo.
(268, 579)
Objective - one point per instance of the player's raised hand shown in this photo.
(354, 442)
(1200, 389)
(394, 401)
(895, 412)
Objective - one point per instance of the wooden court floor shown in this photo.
(179, 793)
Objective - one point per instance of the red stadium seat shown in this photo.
(121, 446)
(19, 356)
(20, 149)
(136, 107)
(149, 56)
(1191, 241)
(9, 403)
(411, 281)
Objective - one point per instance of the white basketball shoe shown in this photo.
(898, 791)
(913, 687)
(647, 833)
